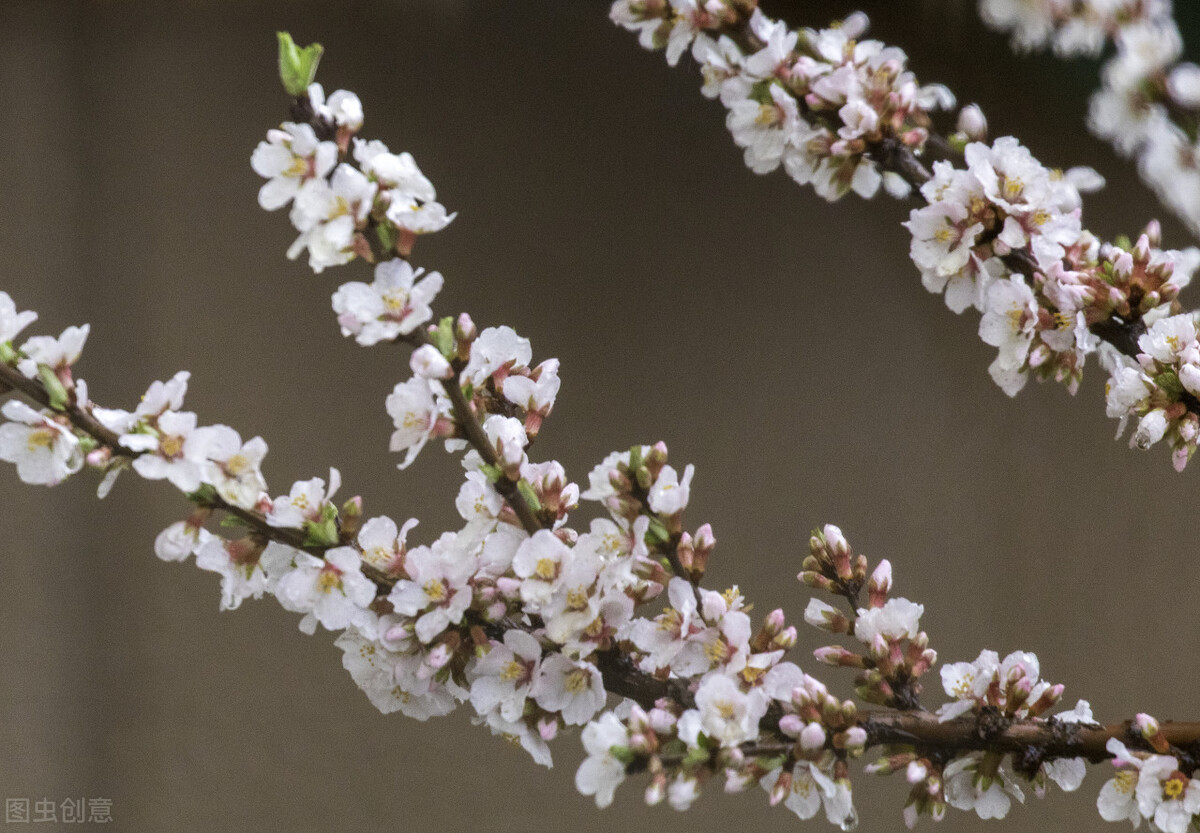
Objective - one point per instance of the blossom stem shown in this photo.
(464, 415)
(13, 379)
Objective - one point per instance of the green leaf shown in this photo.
(206, 495)
(623, 754)
(7, 354)
(297, 65)
(386, 233)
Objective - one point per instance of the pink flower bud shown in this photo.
(880, 583)
(916, 772)
(813, 737)
(791, 725)
(428, 363)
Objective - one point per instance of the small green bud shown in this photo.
(1169, 382)
(656, 533)
(7, 354)
(322, 533)
(297, 66)
(443, 337)
(635, 458)
(529, 495)
(386, 233)
(59, 398)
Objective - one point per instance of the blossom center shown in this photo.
(1125, 781)
(396, 302)
(545, 569)
(436, 590)
(237, 465)
(329, 579)
(171, 446)
(577, 681)
(577, 598)
(1174, 786)
(40, 439)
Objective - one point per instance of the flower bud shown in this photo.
(916, 772)
(1183, 85)
(880, 583)
(785, 639)
(1151, 732)
(812, 737)
(972, 123)
(821, 615)
(791, 725)
(782, 787)
(428, 363)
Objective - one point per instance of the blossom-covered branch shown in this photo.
(1003, 234)
(1149, 103)
(536, 621)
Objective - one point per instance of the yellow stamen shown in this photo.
(40, 439)
(171, 446)
(577, 681)
(436, 590)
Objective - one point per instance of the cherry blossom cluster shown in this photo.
(1150, 784)
(540, 622)
(1004, 236)
(824, 105)
(1149, 103)
(350, 197)
(999, 231)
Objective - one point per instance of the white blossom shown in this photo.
(601, 772)
(575, 689)
(332, 591)
(502, 678)
(669, 495)
(11, 321)
(44, 450)
(58, 354)
(394, 304)
(239, 565)
(414, 411)
(290, 157)
(437, 589)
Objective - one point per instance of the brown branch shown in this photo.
(1049, 738)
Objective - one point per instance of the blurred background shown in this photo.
(783, 345)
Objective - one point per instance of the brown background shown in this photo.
(783, 345)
